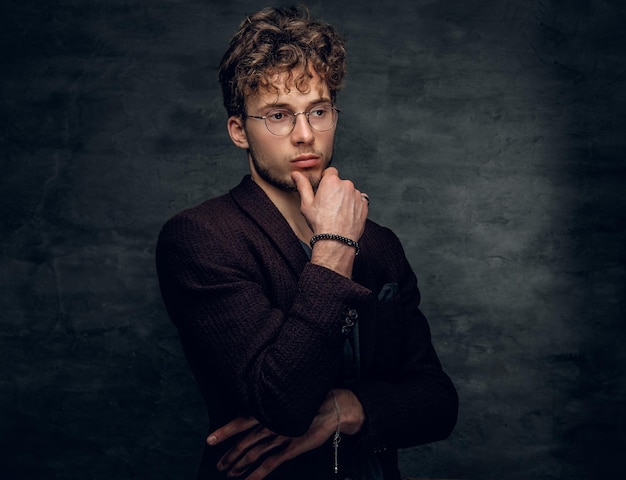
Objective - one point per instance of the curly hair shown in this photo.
(278, 40)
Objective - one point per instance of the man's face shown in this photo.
(273, 158)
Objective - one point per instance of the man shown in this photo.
(299, 317)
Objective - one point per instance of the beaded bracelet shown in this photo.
(334, 236)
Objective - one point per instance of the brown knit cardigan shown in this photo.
(263, 330)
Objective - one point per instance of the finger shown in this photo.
(267, 467)
(303, 185)
(330, 171)
(238, 425)
(273, 461)
(249, 463)
(235, 457)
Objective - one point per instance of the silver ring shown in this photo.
(365, 197)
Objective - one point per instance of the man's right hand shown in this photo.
(337, 207)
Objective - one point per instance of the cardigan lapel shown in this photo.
(257, 205)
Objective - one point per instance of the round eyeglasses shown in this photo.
(281, 122)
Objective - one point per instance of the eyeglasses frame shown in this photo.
(295, 118)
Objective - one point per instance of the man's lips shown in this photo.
(306, 161)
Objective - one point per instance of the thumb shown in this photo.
(304, 187)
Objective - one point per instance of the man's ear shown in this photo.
(237, 132)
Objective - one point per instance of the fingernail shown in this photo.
(212, 440)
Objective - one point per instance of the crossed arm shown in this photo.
(260, 451)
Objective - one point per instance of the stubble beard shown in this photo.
(286, 185)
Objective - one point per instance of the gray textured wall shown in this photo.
(489, 135)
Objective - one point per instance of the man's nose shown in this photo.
(302, 131)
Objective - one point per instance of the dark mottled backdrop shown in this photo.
(489, 135)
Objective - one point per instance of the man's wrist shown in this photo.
(335, 256)
(338, 238)
(351, 414)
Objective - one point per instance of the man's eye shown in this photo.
(319, 112)
(277, 116)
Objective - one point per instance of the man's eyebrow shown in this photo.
(288, 106)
